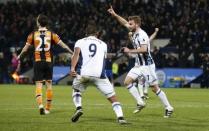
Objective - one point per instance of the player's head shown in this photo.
(134, 22)
(91, 28)
(42, 20)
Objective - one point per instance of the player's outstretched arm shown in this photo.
(154, 34)
(25, 49)
(141, 49)
(18, 66)
(64, 46)
(122, 21)
(74, 61)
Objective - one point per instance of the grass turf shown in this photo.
(19, 112)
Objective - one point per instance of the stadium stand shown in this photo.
(185, 23)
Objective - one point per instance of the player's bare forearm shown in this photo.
(154, 34)
(74, 62)
(69, 50)
(142, 49)
(75, 57)
(64, 46)
(25, 49)
(20, 55)
(18, 66)
(121, 20)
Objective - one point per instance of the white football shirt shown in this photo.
(92, 57)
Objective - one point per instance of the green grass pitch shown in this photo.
(19, 112)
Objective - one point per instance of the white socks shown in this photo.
(163, 98)
(146, 87)
(41, 106)
(117, 108)
(77, 99)
(134, 92)
(141, 90)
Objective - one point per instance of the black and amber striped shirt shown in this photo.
(42, 41)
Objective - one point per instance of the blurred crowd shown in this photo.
(184, 22)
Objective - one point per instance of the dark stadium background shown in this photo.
(184, 23)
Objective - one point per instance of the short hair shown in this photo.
(136, 19)
(91, 28)
(42, 20)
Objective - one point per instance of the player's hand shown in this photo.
(156, 29)
(130, 34)
(111, 11)
(126, 50)
(73, 73)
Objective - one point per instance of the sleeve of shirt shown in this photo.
(56, 38)
(30, 39)
(77, 44)
(143, 39)
(105, 50)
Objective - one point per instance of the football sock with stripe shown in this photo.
(163, 98)
(77, 98)
(134, 92)
(39, 96)
(117, 109)
(146, 87)
(49, 95)
(140, 88)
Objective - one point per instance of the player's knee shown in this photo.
(75, 90)
(110, 95)
(76, 93)
(125, 83)
(48, 82)
(128, 81)
(39, 84)
(112, 99)
(49, 85)
(155, 88)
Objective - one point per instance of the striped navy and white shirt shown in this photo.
(139, 38)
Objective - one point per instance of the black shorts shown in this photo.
(43, 71)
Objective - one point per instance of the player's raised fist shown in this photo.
(111, 11)
(130, 34)
(156, 29)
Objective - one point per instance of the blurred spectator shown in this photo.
(184, 22)
(14, 62)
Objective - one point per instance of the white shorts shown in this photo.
(147, 72)
(103, 85)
